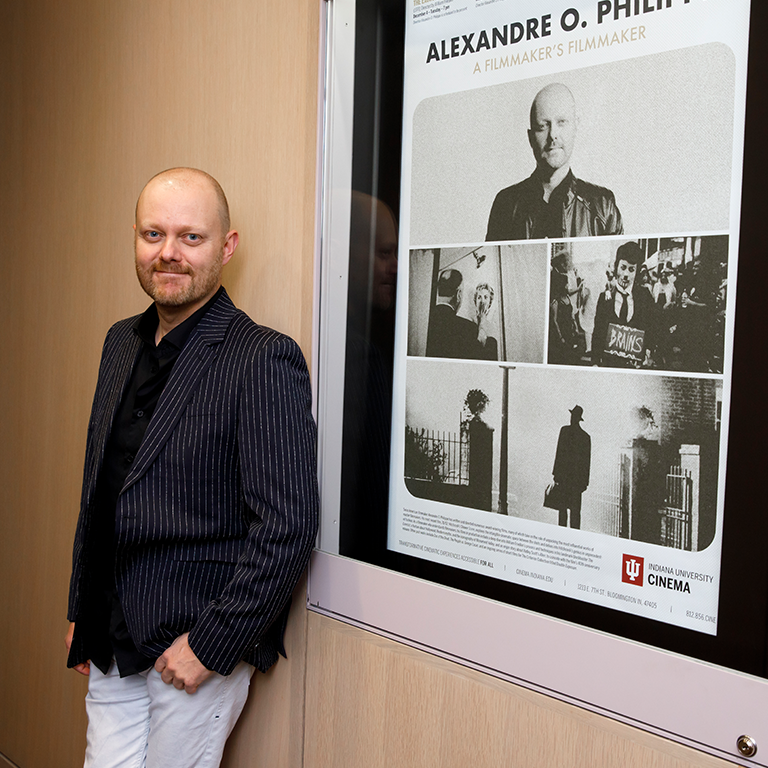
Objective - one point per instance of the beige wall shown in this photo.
(96, 97)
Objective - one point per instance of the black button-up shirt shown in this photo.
(142, 394)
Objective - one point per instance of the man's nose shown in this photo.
(170, 250)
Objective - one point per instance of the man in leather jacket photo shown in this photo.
(552, 202)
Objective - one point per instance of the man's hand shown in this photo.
(179, 666)
(85, 667)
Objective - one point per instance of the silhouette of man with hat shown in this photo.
(571, 469)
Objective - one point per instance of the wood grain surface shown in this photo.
(373, 702)
(97, 97)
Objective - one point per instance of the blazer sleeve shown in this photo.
(117, 354)
(277, 449)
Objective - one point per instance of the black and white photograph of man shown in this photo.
(656, 303)
(630, 462)
(552, 202)
(482, 302)
(630, 147)
(626, 318)
(451, 335)
(571, 468)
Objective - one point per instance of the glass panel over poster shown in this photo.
(571, 205)
(542, 409)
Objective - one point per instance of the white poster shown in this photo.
(568, 254)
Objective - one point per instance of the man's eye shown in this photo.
(193, 238)
(152, 234)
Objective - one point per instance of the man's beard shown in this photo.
(553, 158)
(199, 285)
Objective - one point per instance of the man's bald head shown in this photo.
(553, 96)
(181, 241)
(553, 127)
(182, 177)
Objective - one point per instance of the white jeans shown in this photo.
(141, 722)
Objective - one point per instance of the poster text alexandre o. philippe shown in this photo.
(541, 26)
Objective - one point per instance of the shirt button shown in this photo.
(129, 458)
(139, 413)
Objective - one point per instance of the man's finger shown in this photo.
(84, 668)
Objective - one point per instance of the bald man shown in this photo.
(552, 202)
(199, 503)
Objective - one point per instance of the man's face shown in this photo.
(625, 275)
(179, 243)
(385, 259)
(553, 128)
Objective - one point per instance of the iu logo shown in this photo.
(632, 569)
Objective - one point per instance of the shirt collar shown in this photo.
(565, 187)
(617, 302)
(146, 324)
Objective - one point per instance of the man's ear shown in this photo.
(230, 244)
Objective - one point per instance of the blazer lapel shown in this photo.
(199, 352)
(119, 364)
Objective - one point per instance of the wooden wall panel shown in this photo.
(377, 703)
(96, 98)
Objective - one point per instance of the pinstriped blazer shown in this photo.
(219, 511)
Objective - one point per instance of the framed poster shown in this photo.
(557, 409)
(569, 340)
